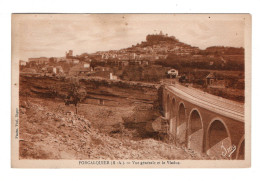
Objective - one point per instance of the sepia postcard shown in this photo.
(131, 91)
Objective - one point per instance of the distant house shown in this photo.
(124, 56)
(86, 65)
(80, 69)
(59, 59)
(75, 61)
(59, 70)
(41, 60)
(51, 69)
(213, 82)
(22, 63)
(210, 79)
(112, 77)
(69, 53)
(133, 56)
(173, 73)
(67, 60)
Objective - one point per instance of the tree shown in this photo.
(75, 95)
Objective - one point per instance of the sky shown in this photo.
(51, 35)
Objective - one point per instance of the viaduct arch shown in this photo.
(218, 138)
(195, 131)
(181, 123)
(205, 123)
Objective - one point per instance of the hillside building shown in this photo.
(22, 63)
(38, 61)
(69, 53)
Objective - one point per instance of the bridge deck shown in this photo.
(217, 104)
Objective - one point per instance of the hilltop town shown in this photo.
(152, 60)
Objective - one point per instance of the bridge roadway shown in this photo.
(208, 101)
(203, 121)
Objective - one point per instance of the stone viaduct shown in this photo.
(204, 122)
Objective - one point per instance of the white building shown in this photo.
(22, 62)
(86, 65)
(75, 61)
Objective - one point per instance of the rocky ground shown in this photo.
(51, 130)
